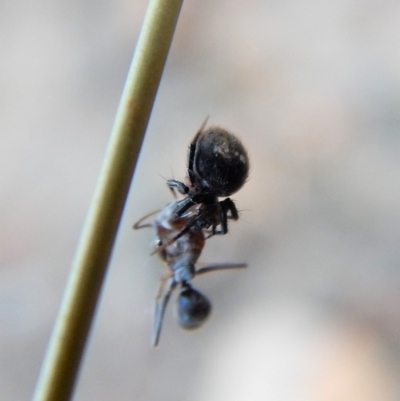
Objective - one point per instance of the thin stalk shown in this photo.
(64, 354)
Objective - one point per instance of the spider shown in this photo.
(218, 166)
(180, 255)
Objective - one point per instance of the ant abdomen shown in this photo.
(193, 308)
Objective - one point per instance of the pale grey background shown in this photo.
(313, 89)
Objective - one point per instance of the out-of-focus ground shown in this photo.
(313, 89)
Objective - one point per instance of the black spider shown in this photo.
(218, 166)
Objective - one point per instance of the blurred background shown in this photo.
(312, 88)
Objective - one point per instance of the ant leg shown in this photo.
(139, 224)
(164, 293)
(220, 266)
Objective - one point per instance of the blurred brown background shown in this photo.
(313, 89)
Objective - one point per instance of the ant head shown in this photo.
(193, 307)
(218, 162)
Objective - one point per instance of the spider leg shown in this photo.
(224, 218)
(227, 211)
(164, 293)
(179, 186)
(229, 206)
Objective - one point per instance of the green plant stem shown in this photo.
(64, 354)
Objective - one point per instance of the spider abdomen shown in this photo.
(220, 162)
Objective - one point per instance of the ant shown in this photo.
(218, 166)
(180, 247)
